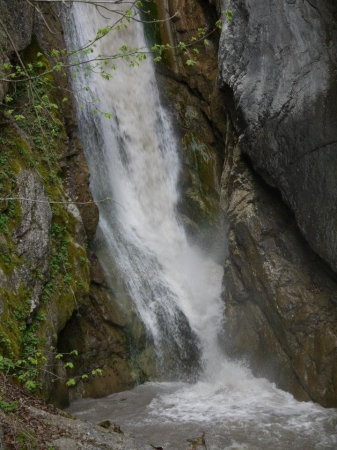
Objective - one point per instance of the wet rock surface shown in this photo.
(278, 60)
(280, 296)
(193, 103)
(202, 163)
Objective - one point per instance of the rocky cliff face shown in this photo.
(194, 105)
(279, 294)
(278, 58)
(47, 279)
(278, 72)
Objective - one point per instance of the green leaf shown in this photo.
(19, 117)
(69, 364)
(31, 385)
(6, 66)
(229, 15)
(33, 361)
(71, 382)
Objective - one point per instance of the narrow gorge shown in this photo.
(175, 226)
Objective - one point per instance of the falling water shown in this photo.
(133, 159)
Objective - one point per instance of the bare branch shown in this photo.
(57, 203)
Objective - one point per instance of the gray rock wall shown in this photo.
(280, 296)
(279, 59)
(278, 71)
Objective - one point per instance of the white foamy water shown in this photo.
(133, 159)
(234, 411)
(176, 290)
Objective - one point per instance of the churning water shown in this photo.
(176, 289)
(235, 411)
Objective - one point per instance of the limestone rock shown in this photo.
(278, 60)
(280, 296)
(33, 235)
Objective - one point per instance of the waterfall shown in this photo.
(133, 159)
(176, 290)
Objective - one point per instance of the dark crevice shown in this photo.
(227, 95)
